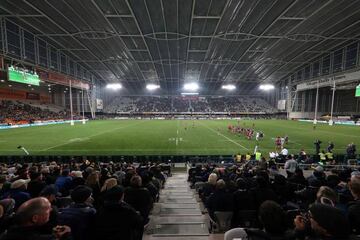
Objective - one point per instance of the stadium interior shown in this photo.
(179, 119)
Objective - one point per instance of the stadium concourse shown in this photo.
(179, 119)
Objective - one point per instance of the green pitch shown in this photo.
(169, 137)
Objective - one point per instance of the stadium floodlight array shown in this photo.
(266, 87)
(114, 86)
(228, 87)
(189, 93)
(152, 87)
(191, 86)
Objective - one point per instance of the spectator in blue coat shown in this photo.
(18, 192)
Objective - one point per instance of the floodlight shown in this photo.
(189, 93)
(191, 86)
(114, 86)
(152, 87)
(266, 87)
(228, 87)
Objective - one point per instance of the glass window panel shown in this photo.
(307, 72)
(72, 67)
(299, 75)
(53, 57)
(316, 69)
(42, 53)
(351, 54)
(63, 63)
(338, 59)
(326, 65)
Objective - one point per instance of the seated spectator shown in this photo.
(117, 219)
(36, 184)
(273, 220)
(209, 187)
(77, 179)
(6, 212)
(92, 181)
(63, 182)
(243, 200)
(326, 222)
(18, 192)
(262, 192)
(29, 218)
(139, 197)
(354, 207)
(50, 192)
(80, 215)
(318, 175)
(150, 186)
(220, 200)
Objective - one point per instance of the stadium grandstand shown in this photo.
(179, 119)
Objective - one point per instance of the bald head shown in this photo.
(34, 212)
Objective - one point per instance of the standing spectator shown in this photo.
(80, 215)
(330, 147)
(317, 144)
(290, 166)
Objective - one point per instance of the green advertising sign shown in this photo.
(22, 76)
(357, 93)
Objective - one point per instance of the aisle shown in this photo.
(177, 216)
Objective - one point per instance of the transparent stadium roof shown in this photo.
(171, 42)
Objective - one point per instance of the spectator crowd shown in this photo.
(265, 204)
(79, 200)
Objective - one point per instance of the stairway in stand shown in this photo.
(177, 216)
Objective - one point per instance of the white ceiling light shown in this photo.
(189, 93)
(152, 87)
(114, 86)
(191, 86)
(228, 87)
(266, 87)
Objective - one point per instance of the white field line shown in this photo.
(94, 135)
(224, 136)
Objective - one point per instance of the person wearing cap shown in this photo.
(18, 192)
(29, 220)
(80, 215)
(325, 221)
(319, 175)
(117, 219)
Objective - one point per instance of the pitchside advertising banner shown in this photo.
(329, 81)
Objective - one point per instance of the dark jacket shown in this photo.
(257, 234)
(140, 199)
(117, 221)
(220, 200)
(354, 216)
(28, 233)
(34, 187)
(79, 217)
(18, 195)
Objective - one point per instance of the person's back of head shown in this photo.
(114, 195)
(272, 217)
(328, 221)
(326, 195)
(212, 178)
(136, 181)
(34, 212)
(355, 188)
(220, 185)
(81, 194)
